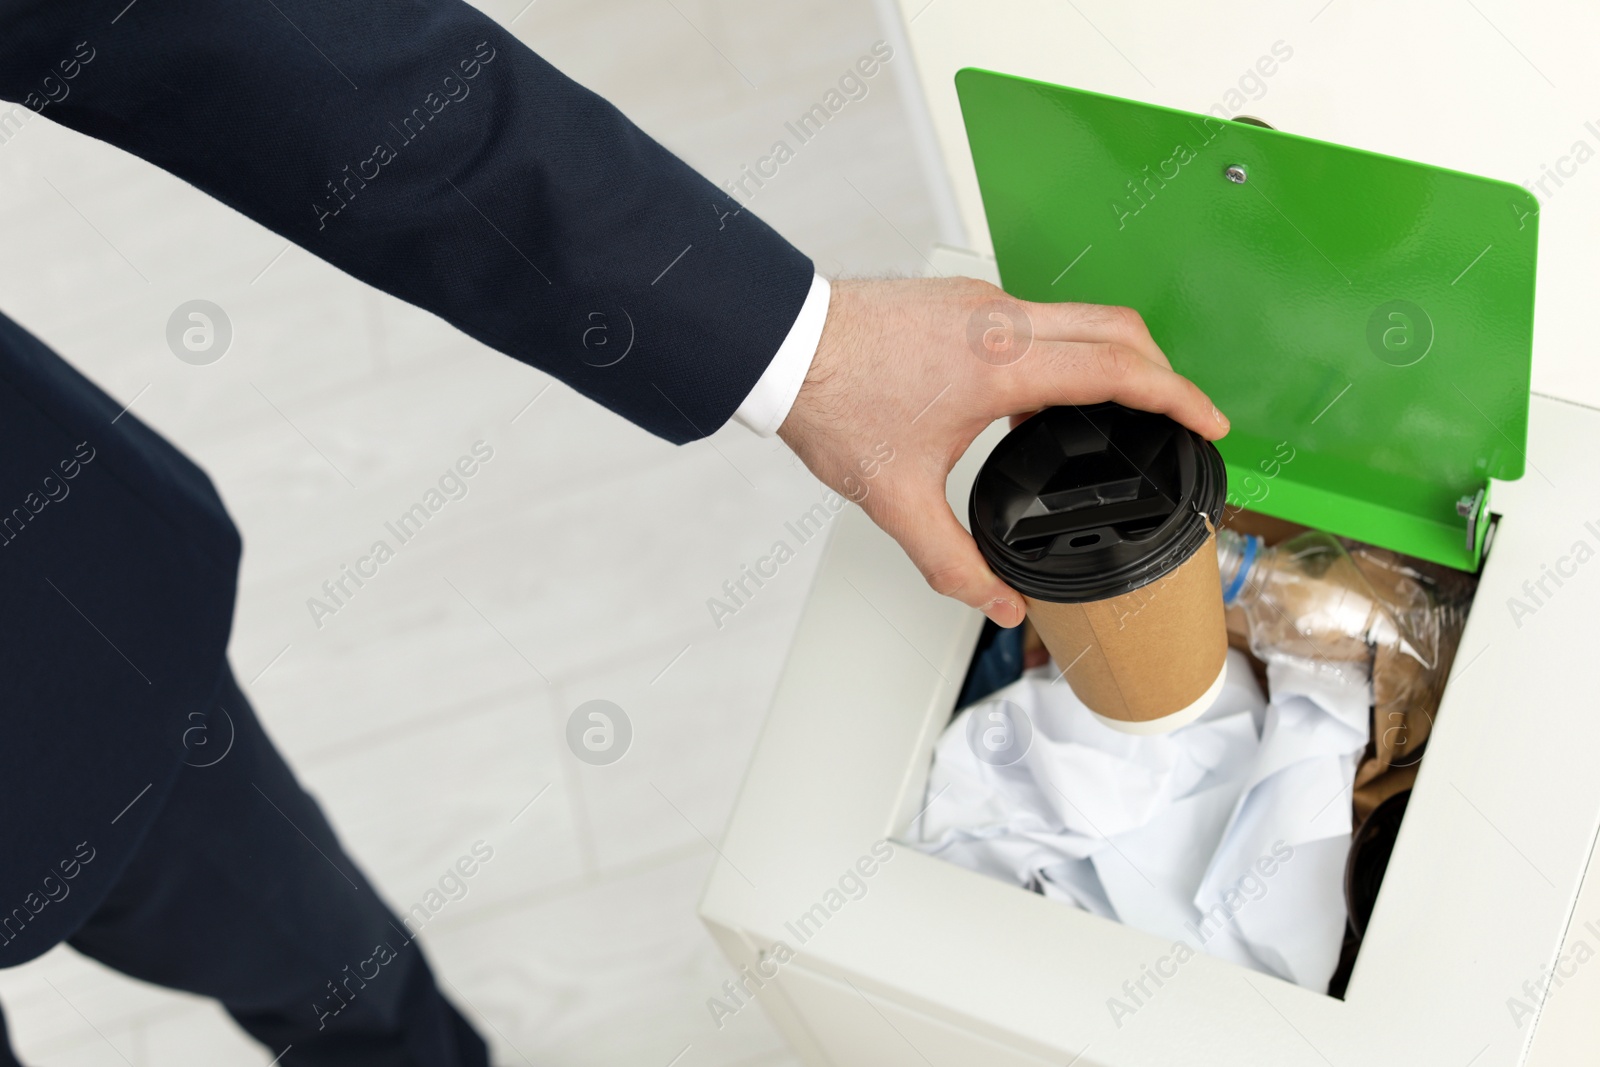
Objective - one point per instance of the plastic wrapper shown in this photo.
(1326, 604)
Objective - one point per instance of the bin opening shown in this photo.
(1400, 702)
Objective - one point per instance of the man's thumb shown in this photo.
(945, 553)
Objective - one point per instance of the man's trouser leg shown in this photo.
(241, 892)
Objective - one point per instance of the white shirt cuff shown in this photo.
(769, 402)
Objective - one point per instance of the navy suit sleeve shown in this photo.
(417, 145)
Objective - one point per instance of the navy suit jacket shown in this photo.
(415, 144)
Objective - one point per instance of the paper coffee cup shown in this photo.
(1104, 518)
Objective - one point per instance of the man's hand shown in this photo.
(922, 366)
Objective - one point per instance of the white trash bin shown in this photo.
(865, 951)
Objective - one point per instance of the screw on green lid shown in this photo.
(1087, 503)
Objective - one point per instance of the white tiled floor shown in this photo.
(425, 716)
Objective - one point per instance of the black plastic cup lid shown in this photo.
(1087, 503)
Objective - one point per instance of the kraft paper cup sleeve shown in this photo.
(1147, 661)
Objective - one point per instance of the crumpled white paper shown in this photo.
(1229, 834)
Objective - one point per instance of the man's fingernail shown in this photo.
(1003, 611)
(1216, 413)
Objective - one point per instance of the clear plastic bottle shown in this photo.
(1312, 600)
(1306, 599)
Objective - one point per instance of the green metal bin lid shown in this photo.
(1366, 322)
